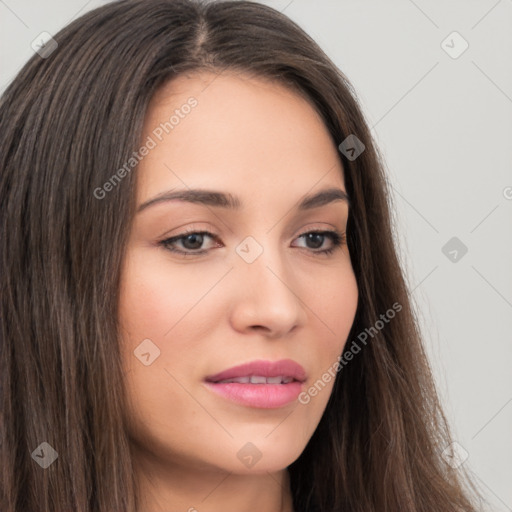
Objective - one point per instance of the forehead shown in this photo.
(247, 133)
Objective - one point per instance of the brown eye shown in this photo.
(188, 243)
(193, 241)
(316, 239)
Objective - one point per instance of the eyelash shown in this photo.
(337, 238)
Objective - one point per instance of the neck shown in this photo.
(190, 489)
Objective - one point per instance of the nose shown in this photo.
(267, 297)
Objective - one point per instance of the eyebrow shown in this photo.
(226, 200)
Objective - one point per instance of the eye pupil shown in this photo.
(317, 239)
(197, 241)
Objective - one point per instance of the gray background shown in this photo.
(444, 125)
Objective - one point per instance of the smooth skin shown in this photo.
(266, 145)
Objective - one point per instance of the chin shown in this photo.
(263, 455)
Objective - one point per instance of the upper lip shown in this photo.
(283, 367)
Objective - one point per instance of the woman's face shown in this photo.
(254, 288)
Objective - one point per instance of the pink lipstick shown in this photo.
(260, 384)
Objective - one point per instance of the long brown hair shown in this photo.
(67, 123)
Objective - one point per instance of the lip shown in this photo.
(261, 396)
(284, 367)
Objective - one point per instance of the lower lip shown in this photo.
(262, 396)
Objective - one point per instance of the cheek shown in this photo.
(163, 305)
(334, 307)
(335, 310)
(155, 295)
(340, 303)
(172, 305)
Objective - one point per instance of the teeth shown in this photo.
(258, 379)
(240, 380)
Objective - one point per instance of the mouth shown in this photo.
(257, 379)
(260, 384)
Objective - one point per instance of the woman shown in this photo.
(202, 305)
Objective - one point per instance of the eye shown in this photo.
(317, 239)
(191, 242)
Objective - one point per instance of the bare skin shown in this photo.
(208, 312)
